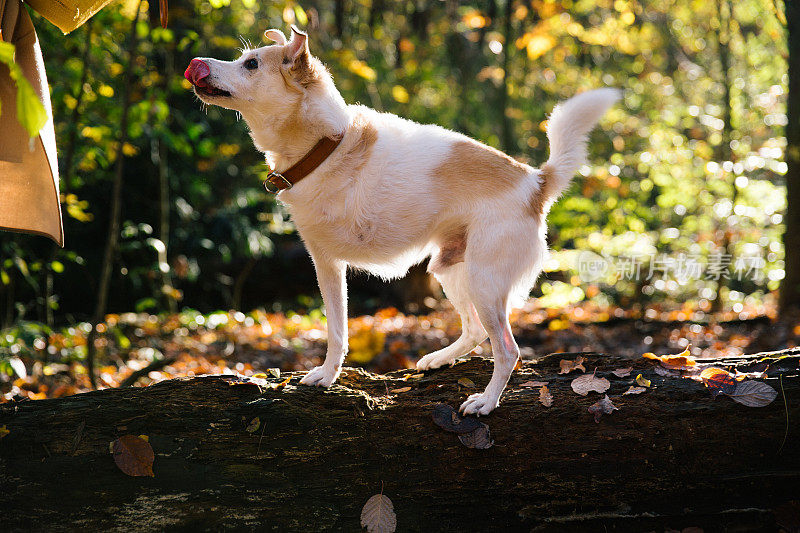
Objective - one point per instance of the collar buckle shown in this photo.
(278, 181)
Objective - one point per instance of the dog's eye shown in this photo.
(251, 64)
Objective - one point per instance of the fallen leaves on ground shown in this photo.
(587, 383)
(378, 516)
(401, 389)
(133, 455)
(4, 431)
(269, 344)
(601, 407)
(642, 381)
(545, 398)
(569, 366)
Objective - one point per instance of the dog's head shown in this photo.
(270, 80)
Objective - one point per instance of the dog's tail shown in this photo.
(568, 130)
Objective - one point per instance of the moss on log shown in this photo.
(670, 457)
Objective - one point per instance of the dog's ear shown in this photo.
(275, 35)
(297, 48)
(298, 66)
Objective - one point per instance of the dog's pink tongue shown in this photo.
(197, 72)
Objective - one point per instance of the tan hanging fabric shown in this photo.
(28, 168)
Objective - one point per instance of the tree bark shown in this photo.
(672, 457)
(789, 299)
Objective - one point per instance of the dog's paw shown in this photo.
(319, 376)
(479, 404)
(434, 360)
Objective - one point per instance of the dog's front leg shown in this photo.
(333, 285)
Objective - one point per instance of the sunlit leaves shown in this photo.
(30, 111)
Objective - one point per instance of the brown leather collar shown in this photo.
(285, 180)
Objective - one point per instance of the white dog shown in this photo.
(381, 193)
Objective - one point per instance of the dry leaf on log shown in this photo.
(680, 361)
(634, 390)
(622, 372)
(133, 455)
(545, 397)
(603, 406)
(479, 438)
(585, 384)
(753, 394)
(448, 419)
(378, 515)
(718, 381)
(569, 366)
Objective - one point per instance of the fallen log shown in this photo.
(671, 457)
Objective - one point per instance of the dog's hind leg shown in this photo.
(494, 317)
(453, 281)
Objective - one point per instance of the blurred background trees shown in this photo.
(693, 162)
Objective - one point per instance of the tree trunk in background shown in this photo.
(670, 458)
(116, 207)
(790, 286)
(725, 153)
(507, 141)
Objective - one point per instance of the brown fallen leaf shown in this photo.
(569, 366)
(533, 384)
(401, 389)
(642, 381)
(466, 382)
(634, 390)
(4, 431)
(753, 394)
(585, 384)
(414, 376)
(545, 398)
(378, 515)
(718, 381)
(479, 438)
(133, 455)
(622, 372)
(601, 407)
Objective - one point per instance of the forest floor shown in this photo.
(45, 364)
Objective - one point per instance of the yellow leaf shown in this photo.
(362, 69)
(400, 94)
(539, 45)
(642, 381)
(4, 431)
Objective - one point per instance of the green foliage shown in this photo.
(30, 111)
